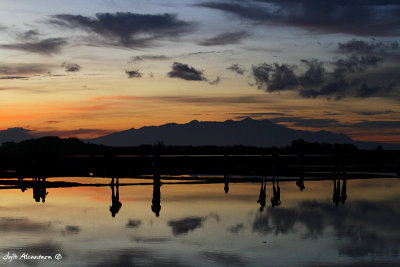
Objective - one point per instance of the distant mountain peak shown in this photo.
(16, 134)
(248, 119)
(18, 129)
(247, 132)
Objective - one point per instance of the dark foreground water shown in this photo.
(201, 225)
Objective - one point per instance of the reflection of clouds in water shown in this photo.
(183, 226)
(133, 224)
(365, 227)
(141, 239)
(215, 216)
(8, 224)
(71, 230)
(223, 258)
(133, 257)
(236, 228)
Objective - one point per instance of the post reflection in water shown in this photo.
(336, 192)
(21, 184)
(262, 197)
(226, 182)
(300, 182)
(156, 201)
(116, 204)
(343, 195)
(276, 193)
(226, 165)
(39, 189)
(339, 194)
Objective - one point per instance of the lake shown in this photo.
(346, 223)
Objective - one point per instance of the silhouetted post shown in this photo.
(156, 167)
(263, 168)
(156, 201)
(226, 164)
(109, 164)
(116, 205)
(275, 166)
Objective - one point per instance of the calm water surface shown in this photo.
(201, 225)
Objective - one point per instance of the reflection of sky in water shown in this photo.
(201, 225)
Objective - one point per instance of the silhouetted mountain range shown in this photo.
(15, 135)
(247, 132)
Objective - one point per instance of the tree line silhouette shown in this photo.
(70, 156)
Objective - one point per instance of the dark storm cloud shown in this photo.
(315, 74)
(216, 81)
(336, 89)
(9, 224)
(354, 64)
(183, 226)
(359, 46)
(223, 258)
(375, 124)
(246, 10)
(367, 91)
(365, 18)
(361, 74)
(225, 38)
(24, 69)
(70, 67)
(371, 113)
(45, 47)
(201, 53)
(183, 71)
(261, 75)
(148, 57)
(28, 35)
(237, 69)
(127, 29)
(133, 74)
(282, 77)
(13, 77)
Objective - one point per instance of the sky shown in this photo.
(89, 68)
